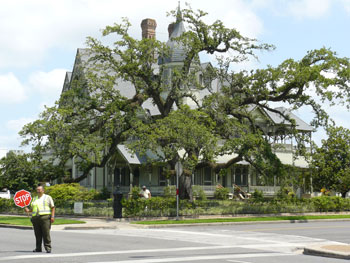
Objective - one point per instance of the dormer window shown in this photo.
(201, 80)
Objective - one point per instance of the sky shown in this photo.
(39, 40)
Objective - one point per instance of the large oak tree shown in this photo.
(94, 116)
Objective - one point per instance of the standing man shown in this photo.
(145, 193)
(43, 214)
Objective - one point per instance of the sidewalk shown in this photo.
(97, 223)
(331, 251)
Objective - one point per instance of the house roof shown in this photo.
(125, 88)
(67, 80)
(136, 158)
(285, 158)
(129, 157)
(177, 49)
(278, 119)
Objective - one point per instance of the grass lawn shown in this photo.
(241, 219)
(25, 221)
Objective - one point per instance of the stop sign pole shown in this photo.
(178, 169)
(22, 198)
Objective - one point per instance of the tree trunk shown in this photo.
(185, 187)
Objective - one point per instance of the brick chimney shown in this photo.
(148, 26)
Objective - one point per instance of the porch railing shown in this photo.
(210, 189)
(267, 190)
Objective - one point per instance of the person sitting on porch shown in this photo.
(145, 193)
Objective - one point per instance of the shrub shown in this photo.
(283, 193)
(330, 203)
(5, 204)
(135, 191)
(170, 191)
(104, 194)
(257, 195)
(75, 192)
(8, 206)
(198, 192)
(156, 206)
(221, 193)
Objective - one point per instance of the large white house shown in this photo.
(127, 169)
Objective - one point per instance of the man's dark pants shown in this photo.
(42, 225)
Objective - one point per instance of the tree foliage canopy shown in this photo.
(95, 114)
(331, 161)
(17, 172)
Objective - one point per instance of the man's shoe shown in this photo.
(37, 250)
(48, 251)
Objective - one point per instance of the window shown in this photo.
(136, 176)
(198, 177)
(125, 176)
(245, 173)
(240, 175)
(116, 176)
(201, 79)
(161, 176)
(207, 176)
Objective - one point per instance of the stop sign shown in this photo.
(22, 198)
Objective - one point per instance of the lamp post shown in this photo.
(178, 169)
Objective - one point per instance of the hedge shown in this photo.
(161, 206)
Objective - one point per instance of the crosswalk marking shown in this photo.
(199, 258)
(138, 251)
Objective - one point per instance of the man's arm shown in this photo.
(27, 210)
(53, 210)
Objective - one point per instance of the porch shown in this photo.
(210, 189)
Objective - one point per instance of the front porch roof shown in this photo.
(227, 157)
(285, 158)
(136, 158)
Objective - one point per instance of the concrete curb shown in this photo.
(321, 251)
(241, 223)
(16, 226)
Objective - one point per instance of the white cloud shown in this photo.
(49, 84)
(34, 28)
(10, 142)
(242, 17)
(16, 125)
(11, 89)
(309, 8)
(299, 9)
(10, 139)
(346, 4)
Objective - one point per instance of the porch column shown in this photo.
(311, 187)
(150, 176)
(106, 180)
(249, 179)
(73, 168)
(131, 179)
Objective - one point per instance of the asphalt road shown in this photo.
(256, 243)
